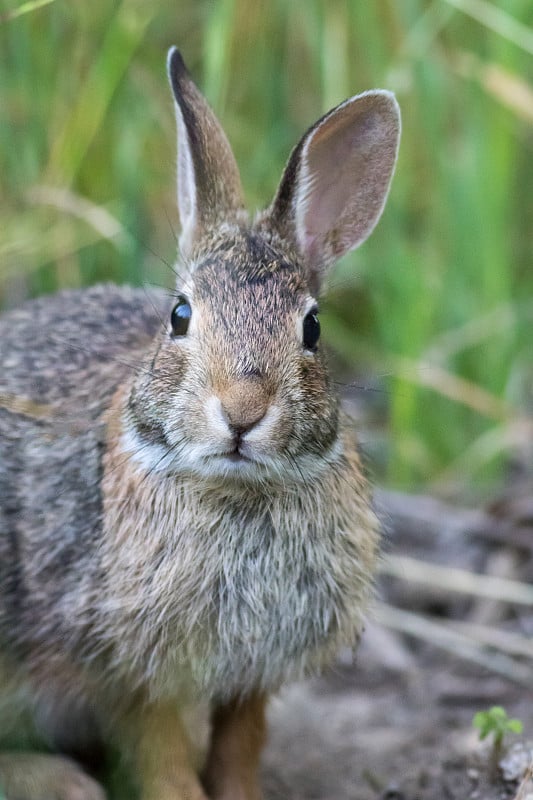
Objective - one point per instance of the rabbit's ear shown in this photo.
(209, 185)
(337, 179)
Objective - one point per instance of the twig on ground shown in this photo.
(454, 579)
(525, 790)
(459, 644)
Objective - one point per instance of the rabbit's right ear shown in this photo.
(209, 185)
(336, 181)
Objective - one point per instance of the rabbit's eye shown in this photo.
(180, 317)
(311, 330)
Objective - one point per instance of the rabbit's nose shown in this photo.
(244, 404)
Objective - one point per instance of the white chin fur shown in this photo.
(204, 461)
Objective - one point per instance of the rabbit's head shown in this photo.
(236, 387)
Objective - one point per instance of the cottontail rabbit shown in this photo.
(184, 522)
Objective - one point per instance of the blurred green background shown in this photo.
(434, 313)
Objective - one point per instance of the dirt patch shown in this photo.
(364, 732)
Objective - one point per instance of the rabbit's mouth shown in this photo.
(235, 456)
(235, 463)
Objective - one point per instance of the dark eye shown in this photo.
(311, 331)
(180, 317)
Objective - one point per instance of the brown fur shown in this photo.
(237, 740)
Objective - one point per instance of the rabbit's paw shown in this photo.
(34, 776)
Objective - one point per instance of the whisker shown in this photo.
(290, 458)
(173, 269)
(171, 226)
(134, 367)
(156, 255)
(363, 387)
(128, 457)
(167, 377)
(171, 450)
(156, 310)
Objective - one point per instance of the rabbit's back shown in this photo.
(61, 359)
(74, 347)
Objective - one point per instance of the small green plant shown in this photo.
(495, 722)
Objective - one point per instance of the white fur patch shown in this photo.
(147, 456)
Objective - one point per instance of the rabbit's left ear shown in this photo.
(209, 185)
(337, 179)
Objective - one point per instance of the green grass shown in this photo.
(440, 299)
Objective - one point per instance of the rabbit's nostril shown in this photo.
(244, 424)
(241, 418)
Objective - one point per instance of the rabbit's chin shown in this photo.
(248, 465)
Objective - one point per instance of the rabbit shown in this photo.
(185, 524)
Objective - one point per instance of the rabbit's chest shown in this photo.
(246, 607)
(231, 594)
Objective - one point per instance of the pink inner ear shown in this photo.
(344, 176)
(309, 241)
(338, 166)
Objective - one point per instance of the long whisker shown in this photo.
(362, 387)
(167, 377)
(153, 469)
(156, 310)
(139, 370)
(293, 462)
(171, 226)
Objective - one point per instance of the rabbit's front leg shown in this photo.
(238, 735)
(163, 755)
